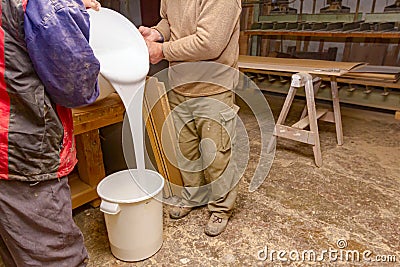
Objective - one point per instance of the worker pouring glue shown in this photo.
(47, 67)
(204, 111)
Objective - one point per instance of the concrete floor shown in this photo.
(354, 198)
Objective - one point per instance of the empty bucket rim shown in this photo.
(139, 199)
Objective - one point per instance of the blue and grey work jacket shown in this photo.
(46, 68)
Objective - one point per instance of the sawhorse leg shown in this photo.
(316, 85)
(337, 117)
(283, 115)
(312, 117)
(296, 132)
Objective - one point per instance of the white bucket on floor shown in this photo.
(133, 215)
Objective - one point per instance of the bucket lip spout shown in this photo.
(128, 201)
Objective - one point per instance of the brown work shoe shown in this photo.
(215, 225)
(178, 212)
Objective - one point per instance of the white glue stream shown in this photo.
(124, 62)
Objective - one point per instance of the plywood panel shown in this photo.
(331, 68)
(161, 131)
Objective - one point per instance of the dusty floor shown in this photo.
(354, 198)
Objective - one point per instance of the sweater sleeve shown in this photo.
(216, 22)
(163, 26)
(59, 48)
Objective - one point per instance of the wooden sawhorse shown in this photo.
(309, 117)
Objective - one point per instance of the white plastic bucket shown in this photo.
(133, 213)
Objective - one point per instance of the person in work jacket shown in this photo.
(46, 68)
(200, 39)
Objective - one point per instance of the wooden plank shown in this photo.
(348, 45)
(282, 115)
(376, 71)
(362, 52)
(374, 76)
(298, 135)
(286, 106)
(264, 47)
(328, 117)
(243, 44)
(306, 43)
(101, 113)
(161, 130)
(303, 123)
(299, 41)
(369, 82)
(294, 62)
(391, 58)
(81, 193)
(166, 131)
(318, 67)
(99, 123)
(340, 79)
(321, 45)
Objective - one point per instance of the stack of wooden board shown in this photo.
(373, 72)
(323, 67)
(161, 131)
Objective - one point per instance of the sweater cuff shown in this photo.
(163, 33)
(166, 51)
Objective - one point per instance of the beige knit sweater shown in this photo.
(201, 31)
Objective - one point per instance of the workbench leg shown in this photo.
(336, 111)
(282, 115)
(90, 163)
(312, 117)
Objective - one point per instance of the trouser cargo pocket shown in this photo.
(228, 127)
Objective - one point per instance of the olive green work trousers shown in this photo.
(205, 128)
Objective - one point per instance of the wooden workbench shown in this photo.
(90, 169)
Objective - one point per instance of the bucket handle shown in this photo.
(109, 207)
